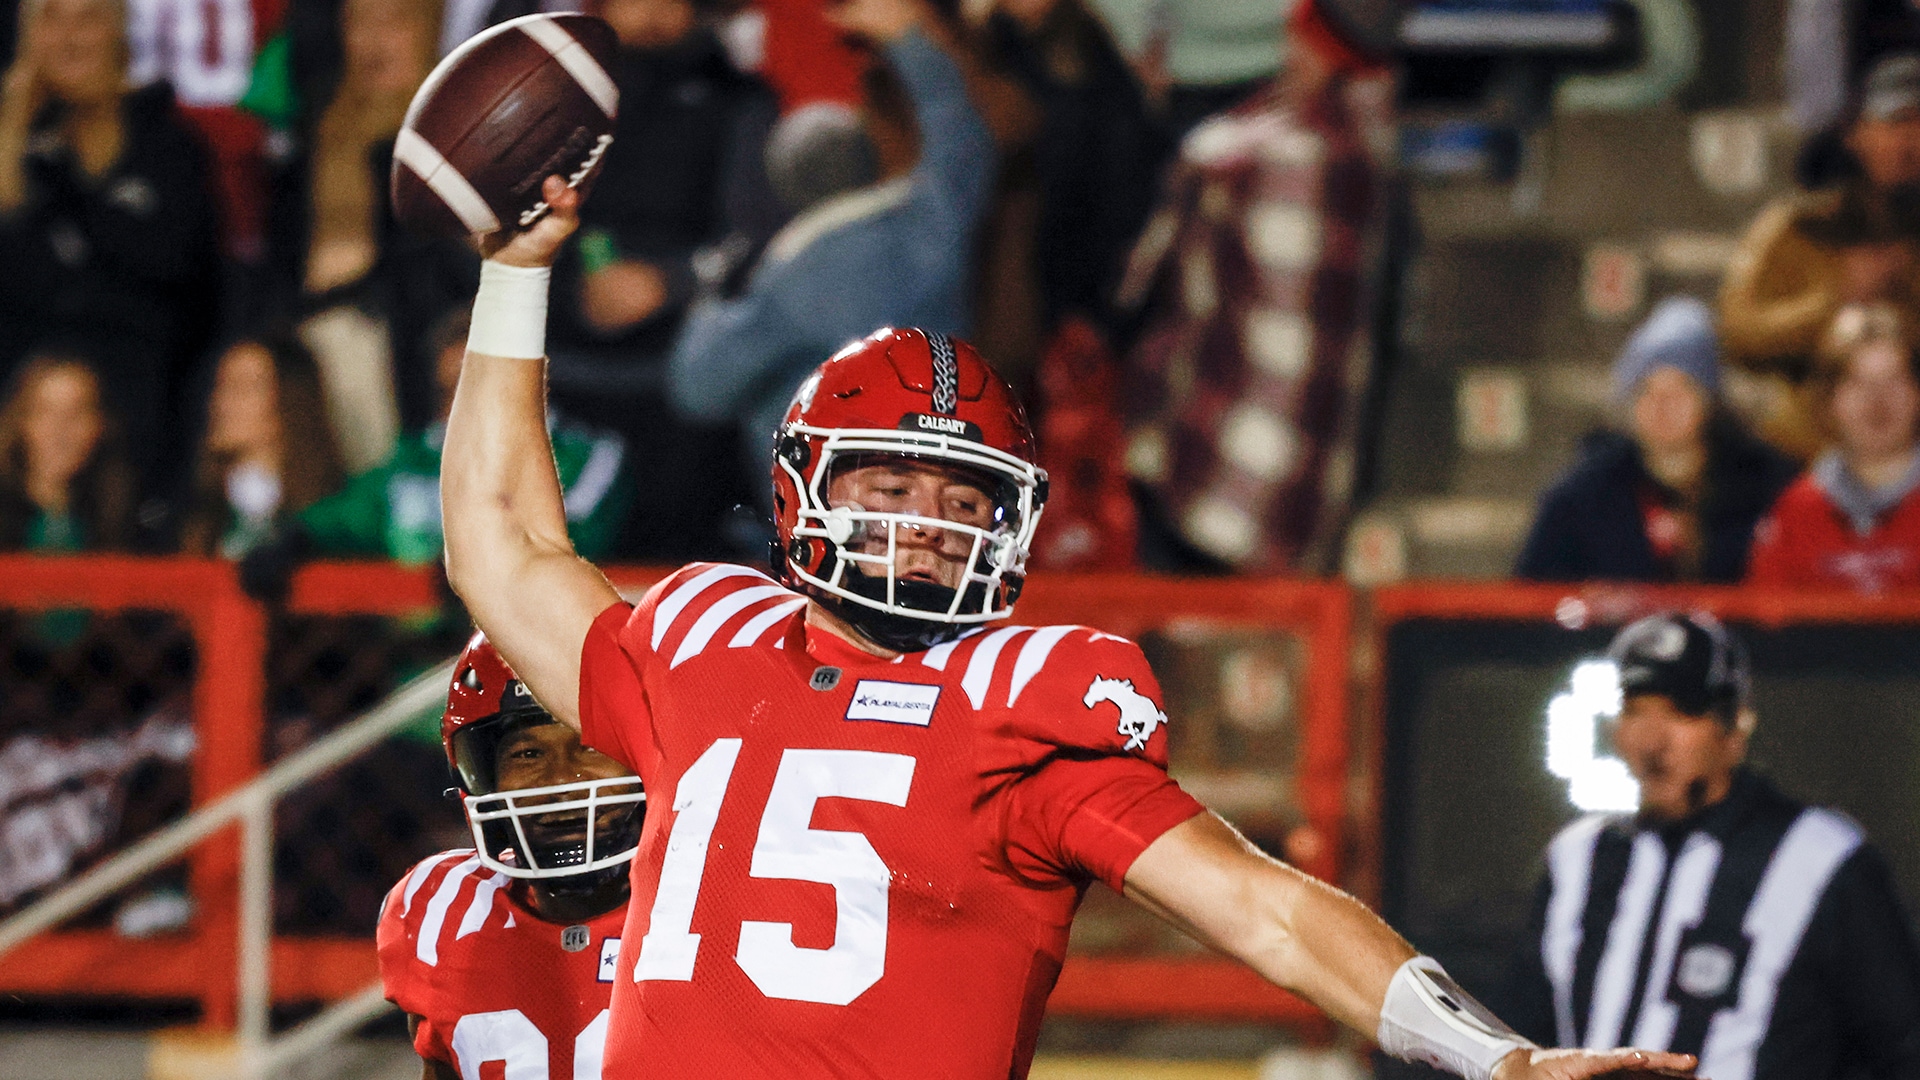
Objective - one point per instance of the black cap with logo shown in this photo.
(1691, 659)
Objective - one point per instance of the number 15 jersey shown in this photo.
(854, 867)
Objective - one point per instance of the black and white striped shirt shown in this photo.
(1761, 935)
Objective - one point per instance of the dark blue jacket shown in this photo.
(1589, 525)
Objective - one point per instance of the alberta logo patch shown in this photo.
(1139, 716)
(893, 702)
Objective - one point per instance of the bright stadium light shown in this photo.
(1594, 783)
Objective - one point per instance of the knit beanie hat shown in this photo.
(1680, 335)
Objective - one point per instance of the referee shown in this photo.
(1723, 919)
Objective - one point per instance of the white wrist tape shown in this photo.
(1428, 1018)
(510, 312)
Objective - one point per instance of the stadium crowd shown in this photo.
(216, 340)
(1160, 221)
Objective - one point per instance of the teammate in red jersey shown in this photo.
(877, 814)
(504, 952)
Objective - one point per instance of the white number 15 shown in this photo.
(790, 848)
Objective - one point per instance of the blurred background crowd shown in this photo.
(1181, 228)
(217, 342)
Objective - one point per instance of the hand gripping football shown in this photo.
(515, 104)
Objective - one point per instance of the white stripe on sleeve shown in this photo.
(980, 666)
(1033, 656)
(427, 948)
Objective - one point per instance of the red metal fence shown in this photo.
(230, 636)
(230, 639)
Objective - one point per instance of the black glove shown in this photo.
(267, 571)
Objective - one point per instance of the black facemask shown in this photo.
(901, 633)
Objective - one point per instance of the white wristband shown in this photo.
(1428, 1018)
(510, 312)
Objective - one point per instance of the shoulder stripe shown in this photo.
(481, 905)
(710, 620)
(427, 946)
(1033, 656)
(424, 871)
(578, 61)
(675, 602)
(980, 667)
(937, 657)
(758, 625)
(1796, 878)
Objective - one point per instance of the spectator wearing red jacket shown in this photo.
(1853, 519)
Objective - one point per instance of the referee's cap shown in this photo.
(1690, 658)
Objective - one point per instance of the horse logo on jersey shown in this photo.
(1139, 716)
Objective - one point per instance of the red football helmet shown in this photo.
(909, 393)
(556, 831)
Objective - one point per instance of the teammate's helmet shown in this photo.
(926, 396)
(575, 836)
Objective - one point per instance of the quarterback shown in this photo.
(504, 952)
(874, 809)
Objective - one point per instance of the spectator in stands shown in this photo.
(365, 290)
(107, 231)
(1808, 255)
(684, 172)
(1090, 164)
(1853, 519)
(1199, 57)
(393, 511)
(682, 191)
(862, 251)
(1676, 498)
(64, 483)
(1257, 292)
(267, 453)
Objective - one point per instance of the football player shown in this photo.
(504, 952)
(878, 812)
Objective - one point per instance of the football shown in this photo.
(515, 104)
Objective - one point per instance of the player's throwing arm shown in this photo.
(508, 555)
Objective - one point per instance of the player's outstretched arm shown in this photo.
(1324, 945)
(508, 555)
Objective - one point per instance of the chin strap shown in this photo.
(896, 633)
(1428, 1018)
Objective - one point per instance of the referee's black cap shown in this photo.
(1690, 658)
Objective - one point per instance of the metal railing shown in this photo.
(251, 805)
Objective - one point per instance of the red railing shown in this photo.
(229, 633)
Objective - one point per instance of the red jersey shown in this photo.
(855, 867)
(1806, 541)
(490, 980)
